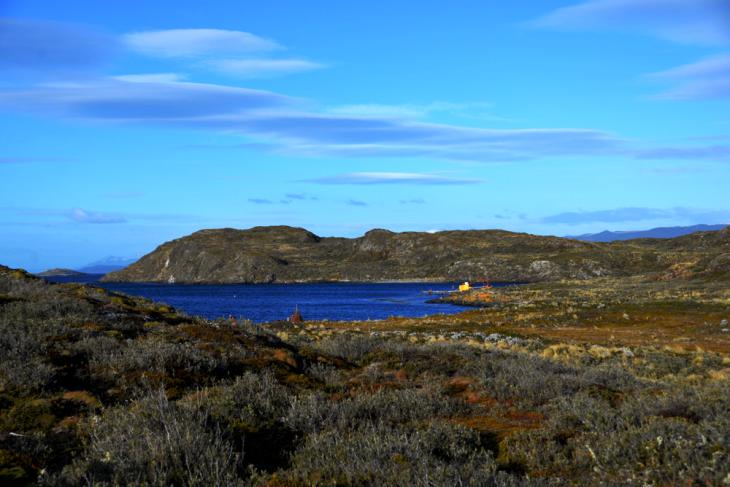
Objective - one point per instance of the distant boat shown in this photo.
(296, 317)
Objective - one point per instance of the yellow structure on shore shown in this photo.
(464, 287)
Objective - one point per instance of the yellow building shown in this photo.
(464, 287)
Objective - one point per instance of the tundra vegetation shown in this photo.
(604, 382)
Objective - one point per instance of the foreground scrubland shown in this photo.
(549, 385)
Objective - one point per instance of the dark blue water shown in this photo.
(269, 302)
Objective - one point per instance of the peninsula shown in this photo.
(288, 254)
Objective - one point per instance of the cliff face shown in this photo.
(286, 254)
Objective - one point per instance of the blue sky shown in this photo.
(126, 124)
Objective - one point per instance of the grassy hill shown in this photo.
(286, 254)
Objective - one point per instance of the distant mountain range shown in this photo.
(107, 264)
(659, 232)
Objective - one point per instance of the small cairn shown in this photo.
(296, 317)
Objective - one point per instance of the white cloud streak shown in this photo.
(83, 216)
(705, 79)
(262, 68)
(700, 22)
(370, 178)
(188, 43)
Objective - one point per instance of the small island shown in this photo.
(60, 272)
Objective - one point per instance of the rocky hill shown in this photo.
(287, 254)
(60, 272)
(700, 254)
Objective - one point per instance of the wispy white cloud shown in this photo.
(139, 100)
(705, 79)
(233, 53)
(260, 201)
(702, 22)
(391, 178)
(275, 120)
(698, 22)
(197, 42)
(30, 216)
(151, 77)
(713, 152)
(352, 202)
(276, 123)
(262, 68)
(83, 216)
(416, 111)
(340, 136)
(713, 66)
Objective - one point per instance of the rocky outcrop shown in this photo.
(287, 254)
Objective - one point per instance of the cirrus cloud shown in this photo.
(390, 178)
(196, 42)
(130, 99)
(276, 121)
(703, 22)
(83, 216)
(705, 79)
(697, 22)
(262, 68)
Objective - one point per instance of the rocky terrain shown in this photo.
(286, 254)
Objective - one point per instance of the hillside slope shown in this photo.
(287, 254)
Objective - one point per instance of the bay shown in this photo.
(269, 302)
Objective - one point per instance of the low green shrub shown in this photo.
(153, 442)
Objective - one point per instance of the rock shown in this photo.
(544, 269)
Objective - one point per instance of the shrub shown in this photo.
(252, 400)
(380, 455)
(637, 442)
(314, 412)
(155, 442)
(330, 376)
(353, 348)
